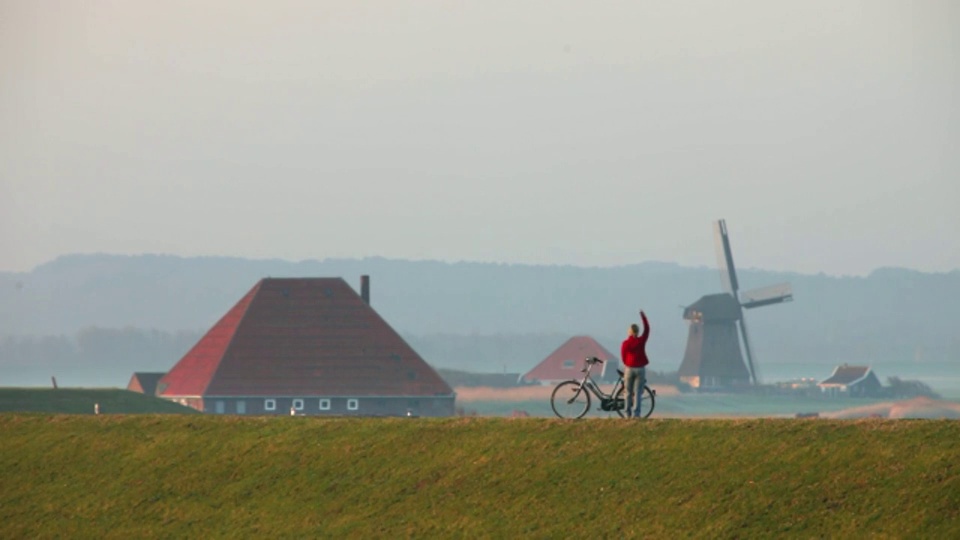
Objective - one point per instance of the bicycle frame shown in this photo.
(591, 385)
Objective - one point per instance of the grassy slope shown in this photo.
(81, 401)
(179, 476)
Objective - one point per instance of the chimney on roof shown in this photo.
(365, 289)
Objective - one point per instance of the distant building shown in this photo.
(565, 363)
(853, 381)
(310, 345)
(144, 383)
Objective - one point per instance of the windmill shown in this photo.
(713, 355)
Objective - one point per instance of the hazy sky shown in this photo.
(587, 133)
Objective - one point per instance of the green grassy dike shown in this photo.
(173, 476)
(82, 400)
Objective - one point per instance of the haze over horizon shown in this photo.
(536, 133)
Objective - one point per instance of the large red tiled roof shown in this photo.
(566, 362)
(303, 337)
(194, 371)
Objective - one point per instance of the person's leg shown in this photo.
(629, 377)
(641, 382)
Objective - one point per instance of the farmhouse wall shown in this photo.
(332, 406)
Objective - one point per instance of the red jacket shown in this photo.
(633, 351)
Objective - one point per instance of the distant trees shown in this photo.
(900, 389)
(109, 355)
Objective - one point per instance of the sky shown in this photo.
(543, 132)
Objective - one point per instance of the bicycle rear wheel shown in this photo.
(569, 400)
(647, 401)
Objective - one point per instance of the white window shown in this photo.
(568, 364)
(298, 404)
(241, 407)
(324, 404)
(353, 404)
(219, 407)
(269, 404)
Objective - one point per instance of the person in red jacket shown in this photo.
(633, 353)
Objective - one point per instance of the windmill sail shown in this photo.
(746, 345)
(728, 273)
(764, 296)
(728, 277)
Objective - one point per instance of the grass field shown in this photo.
(177, 476)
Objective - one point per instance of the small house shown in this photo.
(566, 362)
(853, 381)
(144, 383)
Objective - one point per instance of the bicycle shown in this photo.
(578, 403)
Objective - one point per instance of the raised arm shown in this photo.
(646, 326)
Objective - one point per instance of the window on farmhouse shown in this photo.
(298, 404)
(269, 404)
(568, 364)
(324, 404)
(241, 407)
(353, 404)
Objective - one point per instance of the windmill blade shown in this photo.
(747, 347)
(728, 273)
(764, 296)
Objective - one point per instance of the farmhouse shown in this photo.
(854, 381)
(309, 346)
(565, 362)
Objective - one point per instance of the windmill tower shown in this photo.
(713, 357)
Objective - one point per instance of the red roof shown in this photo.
(302, 337)
(192, 374)
(566, 362)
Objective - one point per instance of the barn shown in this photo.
(565, 363)
(853, 381)
(306, 346)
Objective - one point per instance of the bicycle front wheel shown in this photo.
(569, 400)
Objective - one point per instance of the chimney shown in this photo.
(365, 289)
